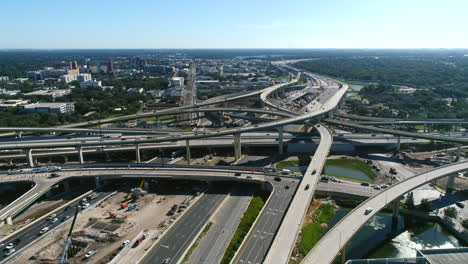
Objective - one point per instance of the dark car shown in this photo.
(364, 183)
(307, 187)
(237, 174)
(460, 204)
(278, 179)
(286, 187)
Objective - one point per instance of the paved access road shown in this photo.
(174, 243)
(256, 245)
(24, 238)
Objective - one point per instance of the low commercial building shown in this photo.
(4, 79)
(9, 92)
(82, 77)
(54, 93)
(12, 103)
(88, 84)
(52, 108)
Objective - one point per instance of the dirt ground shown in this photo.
(94, 229)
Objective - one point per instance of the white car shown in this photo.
(52, 216)
(54, 220)
(86, 205)
(44, 230)
(368, 210)
(10, 251)
(10, 246)
(90, 253)
(125, 243)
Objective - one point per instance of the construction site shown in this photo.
(119, 226)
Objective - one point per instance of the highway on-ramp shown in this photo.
(336, 238)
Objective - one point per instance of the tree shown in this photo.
(409, 202)
(451, 212)
(465, 223)
(426, 205)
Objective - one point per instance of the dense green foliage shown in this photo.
(420, 104)
(426, 205)
(255, 206)
(352, 164)
(451, 212)
(312, 232)
(447, 74)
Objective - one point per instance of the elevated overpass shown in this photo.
(43, 183)
(396, 132)
(336, 238)
(365, 120)
(286, 237)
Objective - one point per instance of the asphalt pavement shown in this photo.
(174, 243)
(24, 238)
(258, 242)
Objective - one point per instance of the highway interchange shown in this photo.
(270, 228)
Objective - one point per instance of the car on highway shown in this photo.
(125, 243)
(10, 251)
(52, 216)
(376, 187)
(314, 171)
(53, 220)
(368, 210)
(86, 205)
(364, 184)
(278, 179)
(237, 174)
(44, 230)
(166, 261)
(249, 177)
(55, 175)
(65, 218)
(10, 246)
(307, 187)
(286, 187)
(460, 204)
(90, 253)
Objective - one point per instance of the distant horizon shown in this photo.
(42, 49)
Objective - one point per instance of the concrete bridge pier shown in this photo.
(80, 154)
(29, 157)
(187, 151)
(66, 186)
(330, 114)
(237, 146)
(137, 152)
(398, 146)
(9, 220)
(451, 183)
(280, 140)
(98, 182)
(395, 213)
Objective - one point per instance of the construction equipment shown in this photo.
(114, 215)
(68, 241)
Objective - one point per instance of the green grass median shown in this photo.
(351, 164)
(255, 206)
(194, 246)
(312, 232)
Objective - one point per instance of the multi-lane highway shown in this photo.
(255, 246)
(32, 233)
(178, 238)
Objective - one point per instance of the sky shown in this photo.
(223, 24)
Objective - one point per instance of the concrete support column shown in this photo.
(80, 154)
(458, 153)
(66, 186)
(451, 182)
(9, 220)
(187, 151)
(98, 182)
(237, 146)
(137, 152)
(330, 114)
(395, 213)
(425, 127)
(398, 144)
(280, 140)
(29, 157)
(20, 134)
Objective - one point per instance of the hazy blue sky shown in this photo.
(234, 24)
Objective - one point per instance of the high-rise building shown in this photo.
(74, 70)
(110, 66)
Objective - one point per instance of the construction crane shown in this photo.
(68, 240)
